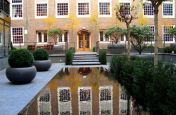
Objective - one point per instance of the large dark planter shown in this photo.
(42, 65)
(21, 75)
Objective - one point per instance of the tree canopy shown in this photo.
(55, 33)
(115, 33)
(140, 34)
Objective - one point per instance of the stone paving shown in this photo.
(13, 98)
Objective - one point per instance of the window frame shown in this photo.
(63, 38)
(83, 1)
(104, 38)
(36, 2)
(163, 40)
(105, 1)
(17, 44)
(62, 1)
(151, 41)
(147, 16)
(16, 18)
(42, 35)
(109, 102)
(126, 1)
(173, 9)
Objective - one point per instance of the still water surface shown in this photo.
(79, 91)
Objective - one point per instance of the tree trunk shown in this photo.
(128, 104)
(156, 36)
(129, 40)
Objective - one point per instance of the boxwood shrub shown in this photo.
(69, 57)
(40, 54)
(102, 56)
(20, 58)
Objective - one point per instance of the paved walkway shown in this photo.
(13, 98)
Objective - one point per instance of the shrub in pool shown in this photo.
(72, 49)
(20, 58)
(69, 57)
(40, 54)
(102, 56)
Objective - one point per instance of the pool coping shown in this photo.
(13, 98)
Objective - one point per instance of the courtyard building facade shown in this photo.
(4, 28)
(84, 21)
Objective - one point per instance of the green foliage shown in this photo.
(102, 56)
(168, 49)
(94, 49)
(115, 33)
(54, 33)
(152, 87)
(139, 35)
(172, 31)
(20, 58)
(69, 57)
(72, 49)
(40, 54)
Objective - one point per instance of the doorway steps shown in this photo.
(85, 58)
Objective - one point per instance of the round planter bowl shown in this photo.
(42, 65)
(21, 75)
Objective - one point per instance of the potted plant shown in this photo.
(21, 70)
(54, 34)
(41, 61)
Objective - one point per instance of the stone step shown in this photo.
(86, 60)
(85, 63)
(85, 56)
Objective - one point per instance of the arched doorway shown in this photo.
(83, 40)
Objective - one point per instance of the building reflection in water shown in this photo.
(71, 94)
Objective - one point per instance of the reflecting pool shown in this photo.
(79, 91)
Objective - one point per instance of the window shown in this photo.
(64, 101)
(42, 37)
(152, 29)
(44, 101)
(63, 37)
(62, 8)
(41, 9)
(104, 8)
(168, 38)
(168, 9)
(83, 8)
(148, 9)
(126, 8)
(105, 98)
(123, 101)
(17, 9)
(102, 37)
(85, 100)
(17, 36)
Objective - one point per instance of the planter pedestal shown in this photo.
(21, 75)
(42, 65)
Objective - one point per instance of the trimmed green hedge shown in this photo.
(102, 56)
(69, 57)
(40, 54)
(20, 58)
